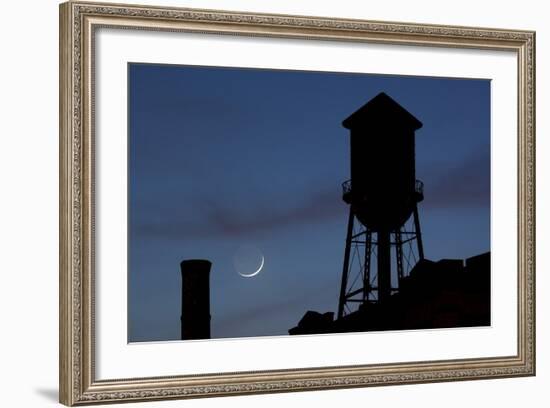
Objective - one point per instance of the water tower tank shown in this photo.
(383, 190)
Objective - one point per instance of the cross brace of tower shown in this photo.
(359, 284)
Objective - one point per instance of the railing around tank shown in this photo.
(346, 188)
(419, 187)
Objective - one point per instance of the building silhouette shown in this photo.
(443, 294)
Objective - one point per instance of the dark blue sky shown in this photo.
(223, 158)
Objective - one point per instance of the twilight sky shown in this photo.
(225, 162)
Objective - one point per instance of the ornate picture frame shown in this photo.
(79, 22)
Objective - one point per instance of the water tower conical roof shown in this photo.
(382, 110)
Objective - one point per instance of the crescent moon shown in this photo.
(250, 275)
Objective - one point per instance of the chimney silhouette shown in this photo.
(195, 299)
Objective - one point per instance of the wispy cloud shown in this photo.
(217, 219)
(467, 184)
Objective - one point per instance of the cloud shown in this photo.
(466, 185)
(219, 220)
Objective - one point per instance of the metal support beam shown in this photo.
(384, 266)
(399, 254)
(366, 268)
(344, 284)
(356, 286)
(418, 233)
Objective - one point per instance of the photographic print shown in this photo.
(269, 202)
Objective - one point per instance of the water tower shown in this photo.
(382, 195)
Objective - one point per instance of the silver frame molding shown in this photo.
(78, 22)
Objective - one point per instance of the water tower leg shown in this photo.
(399, 253)
(384, 266)
(366, 266)
(344, 284)
(418, 233)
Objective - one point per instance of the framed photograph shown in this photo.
(256, 203)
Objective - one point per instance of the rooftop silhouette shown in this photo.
(444, 294)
